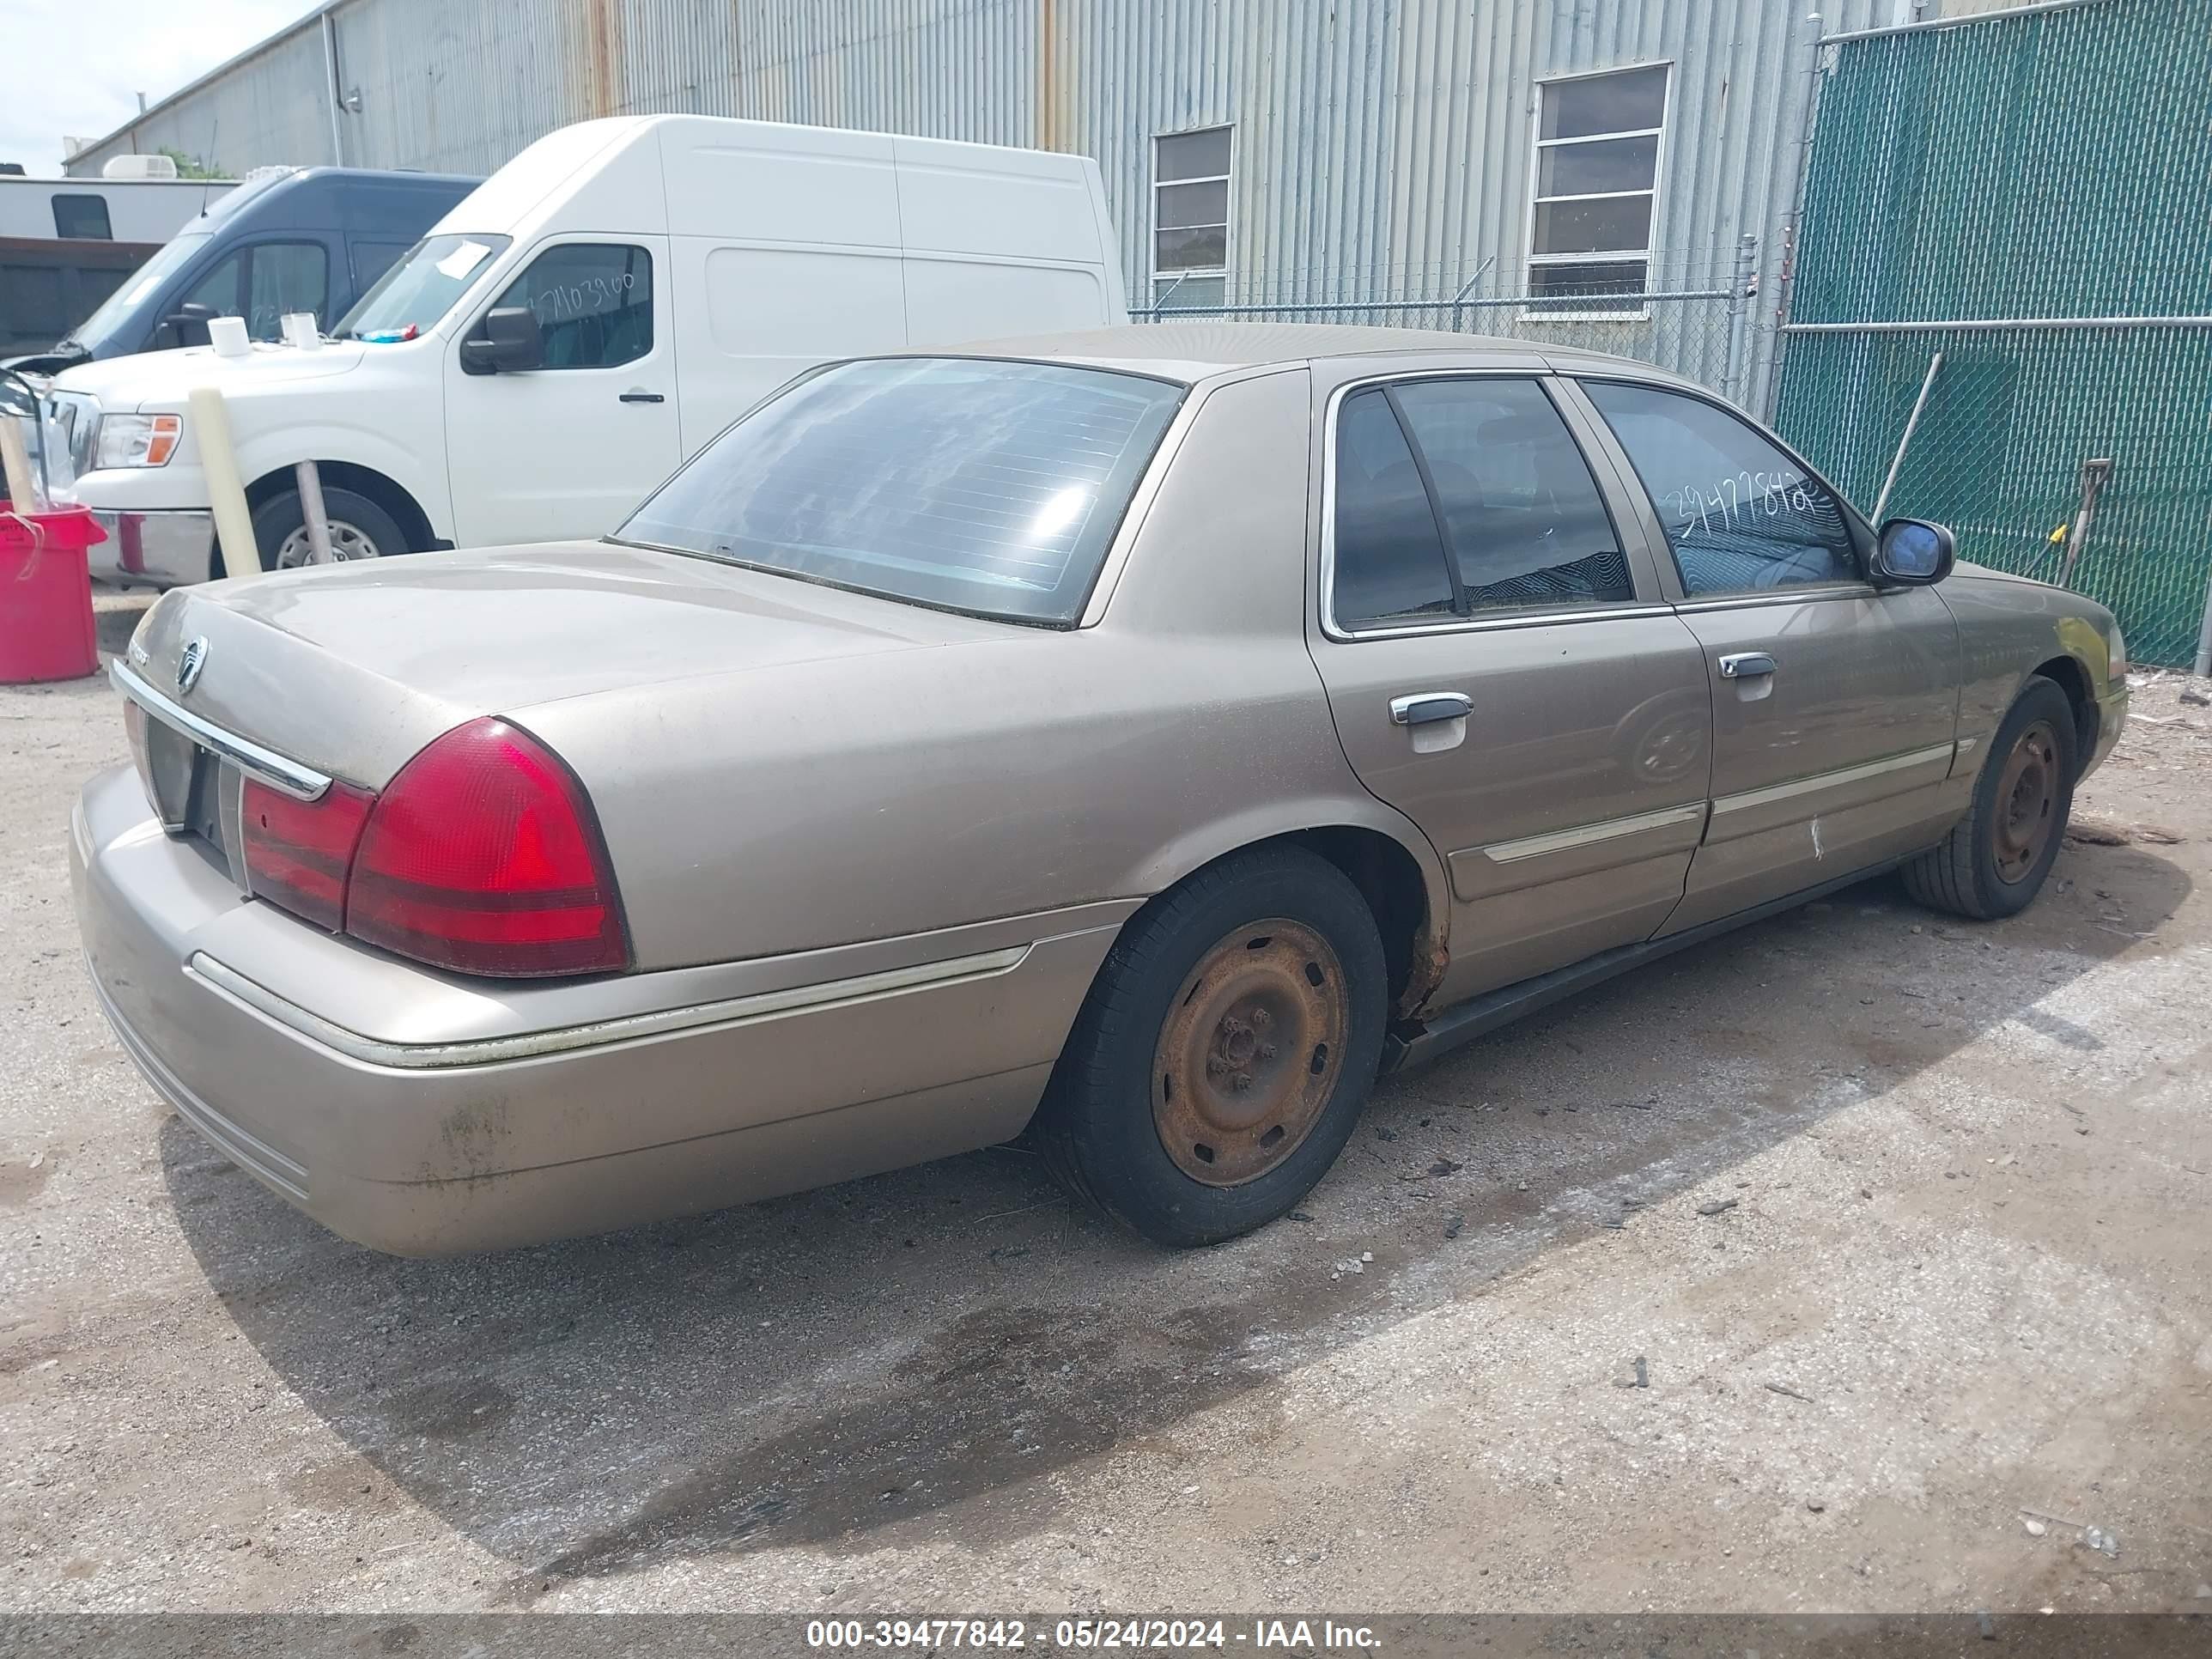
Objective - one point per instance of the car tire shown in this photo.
(359, 529)
(1994, 861)
(1225, 1051)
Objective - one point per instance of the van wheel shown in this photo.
(1226, 1051)
(359, 529)
(1993, 862)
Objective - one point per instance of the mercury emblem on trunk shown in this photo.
(189, 664)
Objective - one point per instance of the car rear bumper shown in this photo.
(160, 549)
(484, 1141)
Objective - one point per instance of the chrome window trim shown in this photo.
(1780, 596)
(1805, 786)
(1484, 624)
(530, 1045)
(1559, 840)
(288, 776)
(1333, 630)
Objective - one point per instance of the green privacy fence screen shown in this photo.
(2031, 197)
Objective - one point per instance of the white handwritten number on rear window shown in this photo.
(1736, 502)
(587, 298)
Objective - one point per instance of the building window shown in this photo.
(82, 218)
(1190, 216)
(1596, 195)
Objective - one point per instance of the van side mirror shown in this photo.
(506, 341)
(1913, 553)
(188, 323)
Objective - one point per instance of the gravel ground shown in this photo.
(1856, 1262)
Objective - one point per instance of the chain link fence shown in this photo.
(2017, 207)
(2073, 453)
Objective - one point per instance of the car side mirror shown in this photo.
(1913, 553)
(188, 323)
(508, 341)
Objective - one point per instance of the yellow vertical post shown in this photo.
(234, 524)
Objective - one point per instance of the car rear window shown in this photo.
(993, 488)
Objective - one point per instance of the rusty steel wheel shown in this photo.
(1994, 858)
(2028, 791)
(1222, 1057)
(1250, 1053)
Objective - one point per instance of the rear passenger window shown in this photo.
(1739, 514)
(593, 303)
(1457, 496)
(1390, 559)
(1525, 521)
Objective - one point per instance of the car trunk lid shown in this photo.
(353, 670)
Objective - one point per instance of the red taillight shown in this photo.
(298, 852)
(484, 856)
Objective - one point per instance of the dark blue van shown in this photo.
(295, 239)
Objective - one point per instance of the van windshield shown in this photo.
(408, 298)
(986, 487)
(94, 333)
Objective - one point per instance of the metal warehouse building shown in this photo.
(1255, 151)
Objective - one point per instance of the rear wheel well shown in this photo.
(414, 523)
(1390, 881)
(2069, 677)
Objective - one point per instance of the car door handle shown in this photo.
(642, 397)
(1424, 707)
(1746, 666)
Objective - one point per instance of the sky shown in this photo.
(77, 66)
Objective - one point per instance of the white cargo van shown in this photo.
(590, 316)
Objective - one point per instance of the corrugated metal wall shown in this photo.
(1383, 146)
(270, 106)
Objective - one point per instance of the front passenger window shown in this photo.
(1739, 514)
(1528, 526)
(592, 302)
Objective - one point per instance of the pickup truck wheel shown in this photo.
(1224, 1055)
(359, 529)
(1993, 862)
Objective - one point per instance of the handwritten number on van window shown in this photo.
(588, 296)
(593, 304)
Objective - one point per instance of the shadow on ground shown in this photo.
(825, 1369)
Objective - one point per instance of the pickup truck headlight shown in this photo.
(2116, 654)
(138, 440)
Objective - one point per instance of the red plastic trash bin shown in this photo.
(46, 630)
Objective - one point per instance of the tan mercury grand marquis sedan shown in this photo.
(1139, 738)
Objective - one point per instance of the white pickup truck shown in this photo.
(588, 319)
